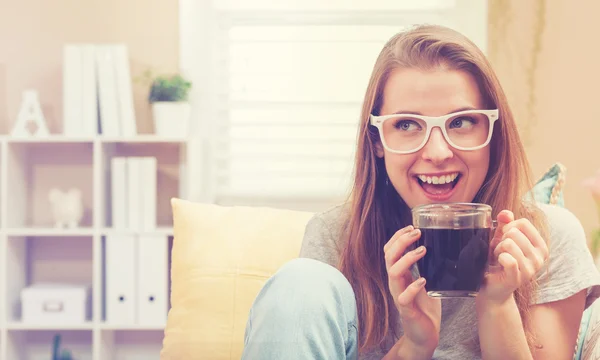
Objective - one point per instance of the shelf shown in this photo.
(157, 231)
(27, 344)
(142, 138)
(41, 231)
(105, 326)
(150, 138)
(38, 168)
(49, 139)
(37, 260)
(167, 172)
(81, 232)
(34, 251)
(17, 325)
(130, 345)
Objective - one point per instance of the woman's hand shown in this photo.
(419, 313)
(518, 252)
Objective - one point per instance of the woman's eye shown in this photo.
(407, 125)
(462, 122)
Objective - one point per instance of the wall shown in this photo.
(565, 125)
(32, 33)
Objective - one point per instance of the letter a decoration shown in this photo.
(30, 121)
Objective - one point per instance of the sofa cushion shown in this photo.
(221, 258)
(549, 189)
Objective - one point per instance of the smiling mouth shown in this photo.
(438, 185)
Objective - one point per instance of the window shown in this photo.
(283, 89)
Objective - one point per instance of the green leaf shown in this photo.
(66, 355)
(169, 88)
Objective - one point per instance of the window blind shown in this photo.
(335, 5)
(291, 93)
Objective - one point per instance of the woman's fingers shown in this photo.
(532, 259)
(511, 268)
(532, 234)
(403, 265)
(509, 245)
(532, 243)
(396, 236)
(397, 249)
(521, 240)
(406, 300)
(503, 218)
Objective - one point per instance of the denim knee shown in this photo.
(309, 300)
(317, 281)
(312, 273)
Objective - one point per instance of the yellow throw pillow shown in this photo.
(221, 258)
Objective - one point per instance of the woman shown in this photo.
(351, 294)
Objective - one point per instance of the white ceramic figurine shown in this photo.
(67, 207)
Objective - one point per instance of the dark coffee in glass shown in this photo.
(457, 237)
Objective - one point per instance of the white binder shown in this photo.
(88, 122)
(149, 192)
(119, 193)
(124, 90)
(152, 273)
(107, 91)
(72, 89)
(134, 193)
(120, 271)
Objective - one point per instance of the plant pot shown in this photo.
(171, 119)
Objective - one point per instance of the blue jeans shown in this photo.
(307, 310)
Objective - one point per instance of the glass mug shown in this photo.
(457, 237)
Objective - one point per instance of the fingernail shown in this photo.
(421, 281)
(414, 233)
(407, 228)
(419, 250)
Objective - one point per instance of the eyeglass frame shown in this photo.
(432, 122)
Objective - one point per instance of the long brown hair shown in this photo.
(377, 211)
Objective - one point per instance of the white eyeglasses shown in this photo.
(463, 130)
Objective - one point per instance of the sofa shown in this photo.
(222, 256)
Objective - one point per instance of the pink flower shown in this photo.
(593, 185)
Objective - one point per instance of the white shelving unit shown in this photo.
(32, 250)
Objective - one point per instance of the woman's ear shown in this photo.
(379, 149)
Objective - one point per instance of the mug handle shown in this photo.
(490, 267)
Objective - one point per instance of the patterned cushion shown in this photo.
(589, 333)
(549, 188)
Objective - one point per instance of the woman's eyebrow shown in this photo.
(451, 112)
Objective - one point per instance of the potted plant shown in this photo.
(170, 107)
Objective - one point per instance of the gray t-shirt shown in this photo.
(570, 269)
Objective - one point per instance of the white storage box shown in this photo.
(55, 304)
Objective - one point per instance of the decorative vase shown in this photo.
(171, 119)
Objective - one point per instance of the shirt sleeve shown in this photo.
(319, 243)
(570, 267)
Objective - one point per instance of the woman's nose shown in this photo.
(437, 149)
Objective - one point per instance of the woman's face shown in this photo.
(433, 93)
